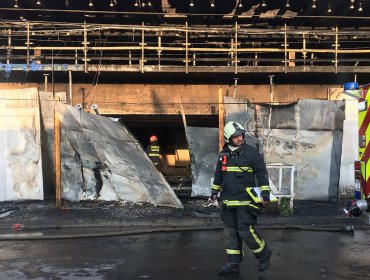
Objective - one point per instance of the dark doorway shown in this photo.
(170, 132)
(169, 129)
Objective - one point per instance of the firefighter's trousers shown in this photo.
(239, 224)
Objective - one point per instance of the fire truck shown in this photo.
(362, 165)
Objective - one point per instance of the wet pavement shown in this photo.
(139, 241)
(303, 255)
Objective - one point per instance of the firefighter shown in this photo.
(357, 207)
(154, 151)
(237, 169)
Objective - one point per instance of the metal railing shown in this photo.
(281, 178)
(35, 46)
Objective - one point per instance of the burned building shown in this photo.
(163, 65)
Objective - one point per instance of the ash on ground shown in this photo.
(91, 210)
(98, 211)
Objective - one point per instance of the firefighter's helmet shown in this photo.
(233, 129)
(153, 138)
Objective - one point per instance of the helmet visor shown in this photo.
(238, 133)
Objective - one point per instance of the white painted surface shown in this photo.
(349, 155)
(350, 142)
(310, 154)
(20, 155)
(19, 98)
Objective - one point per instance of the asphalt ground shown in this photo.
(191, 255)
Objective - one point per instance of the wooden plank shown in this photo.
(221, 118)
(58, 200)
(183, 114)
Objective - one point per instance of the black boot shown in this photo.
(265, 263)
(228, 268)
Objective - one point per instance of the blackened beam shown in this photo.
(191, 69)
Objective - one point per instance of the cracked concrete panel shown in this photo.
(95, 126)
(281, 117)
(308, 114)
(102, 160)
(203, 145)
(321, 114)
(316, 156)
(20, 154)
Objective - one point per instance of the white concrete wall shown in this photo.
(20, 146)
(307, 135)
(350, 142)
(311, 155)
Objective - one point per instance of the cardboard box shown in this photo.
(182, 157)
(169, 160)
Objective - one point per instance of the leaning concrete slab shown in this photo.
(101, 160)
(203, 145)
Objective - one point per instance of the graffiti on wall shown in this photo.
(283, 146)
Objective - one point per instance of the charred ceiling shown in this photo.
(308, 13)
(186, 36)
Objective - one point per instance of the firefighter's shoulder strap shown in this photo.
(223, 159)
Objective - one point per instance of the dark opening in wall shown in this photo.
(169, 129)
(170, 132)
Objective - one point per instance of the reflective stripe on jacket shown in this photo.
(154, 151)
(239, 171)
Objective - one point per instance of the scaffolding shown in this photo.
(43, 46)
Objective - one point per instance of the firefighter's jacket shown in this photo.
(238, 170)
(154, 151)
